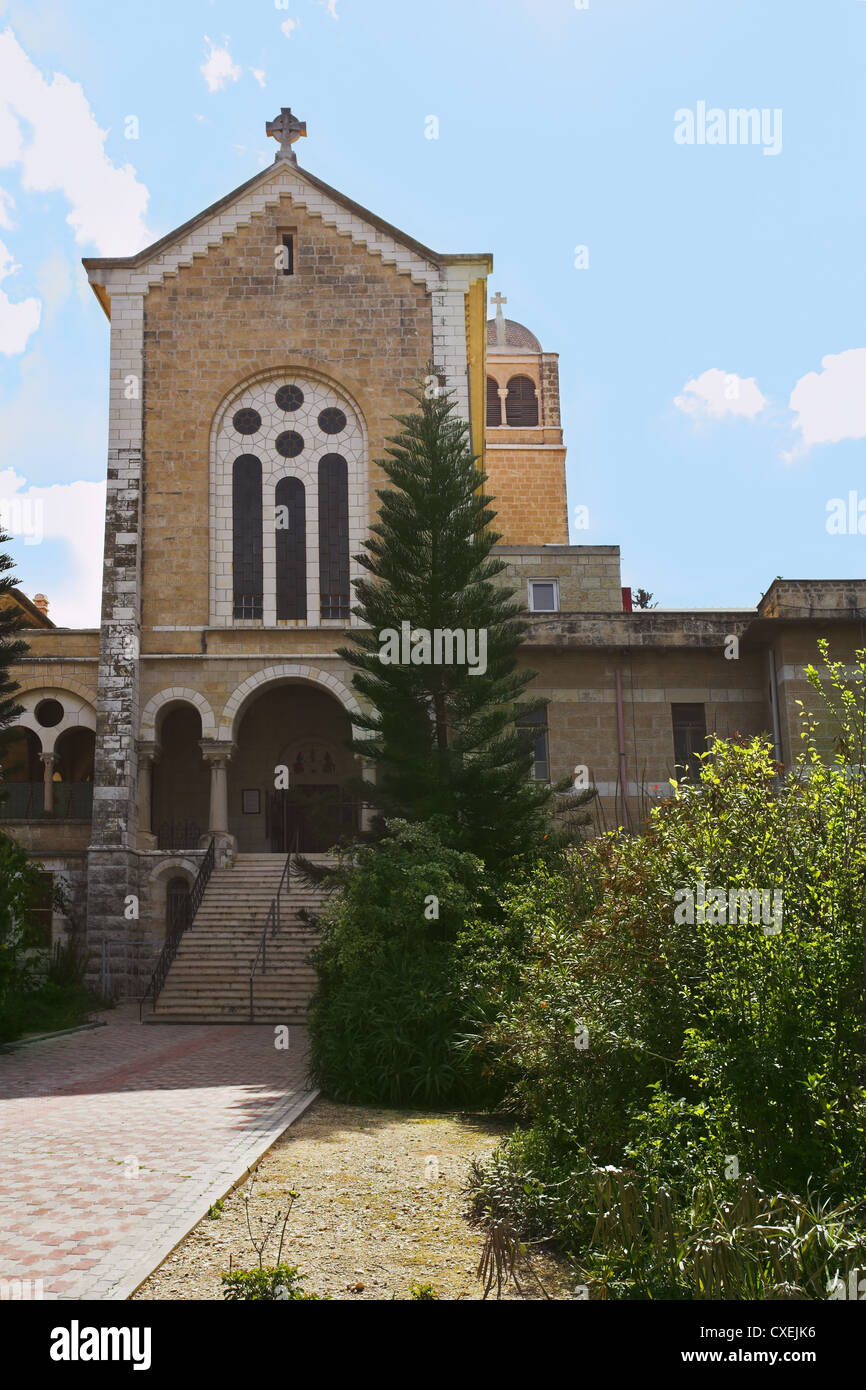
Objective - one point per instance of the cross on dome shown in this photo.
(499, 299)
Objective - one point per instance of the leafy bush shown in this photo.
(19, 890)
(280, 1283)
(38, 993)
(655, 1241)
(387, 1019)
(685, 1048)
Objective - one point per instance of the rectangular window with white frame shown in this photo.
(544, 595)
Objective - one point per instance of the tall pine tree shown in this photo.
(12, 648)
(442, 736)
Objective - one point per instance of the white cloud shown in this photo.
(17, 320)
(218, 68)
(54, 279)
(74, 515)
(715, 394)
(288, 27)
(7, 203)
(62, 149)
(259, 75)
(332, 7)
(831, 404)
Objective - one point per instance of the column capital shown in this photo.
(149, 752)
(216, 753)
(47, 759)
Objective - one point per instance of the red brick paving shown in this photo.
(193, 1106)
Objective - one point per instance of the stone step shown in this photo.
(209, 978)
(239, 998)
(270, 1019)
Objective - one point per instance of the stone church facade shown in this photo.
(258, 356)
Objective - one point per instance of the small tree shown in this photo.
(443, 734)
(642, 598)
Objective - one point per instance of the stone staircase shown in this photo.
(209, 979)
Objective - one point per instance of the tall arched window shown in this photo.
(494, 404)
(290, 503)
(521, 403)
(334, 536)
(247, 582)
(274, 561)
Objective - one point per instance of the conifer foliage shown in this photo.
(441, 733)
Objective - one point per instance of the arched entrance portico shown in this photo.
(288, 774)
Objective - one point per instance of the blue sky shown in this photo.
(722, 280)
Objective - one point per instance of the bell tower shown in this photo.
(525, 455)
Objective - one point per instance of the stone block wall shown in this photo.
(231, 315)
(588, 575)
(582, 716)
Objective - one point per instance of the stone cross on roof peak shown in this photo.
(499, 299)
(287, 129)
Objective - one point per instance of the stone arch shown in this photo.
(272, 675)
(271, 373)
(78, 711)
(47, 683)
(522, 401)
(175, 864)
(176, 695)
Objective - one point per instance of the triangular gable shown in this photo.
(135, 274)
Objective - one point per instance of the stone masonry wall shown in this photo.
(231, 315)
(589, 575)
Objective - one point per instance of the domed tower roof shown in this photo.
(517, 337)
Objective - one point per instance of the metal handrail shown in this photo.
(273, 918)
(172, 940)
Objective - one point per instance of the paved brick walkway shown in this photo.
(114, 1142)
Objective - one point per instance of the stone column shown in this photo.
(148, 756)
(113, 865)
(502, 392)
(219, 755)
(47, 760)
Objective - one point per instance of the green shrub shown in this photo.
(280, 1283)
(685, 1052)
(717, 1241)
(387, 1020)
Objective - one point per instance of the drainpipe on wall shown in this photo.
(621, 739)
(774, 705)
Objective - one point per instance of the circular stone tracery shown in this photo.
(289, 398)
(332, 420)
(247, 421)
(289, 444)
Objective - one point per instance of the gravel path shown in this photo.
(380, 1209)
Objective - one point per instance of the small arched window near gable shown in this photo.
(494, 403)
(247, 581)
(334, 536)
(290, 502)
(521, 404)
